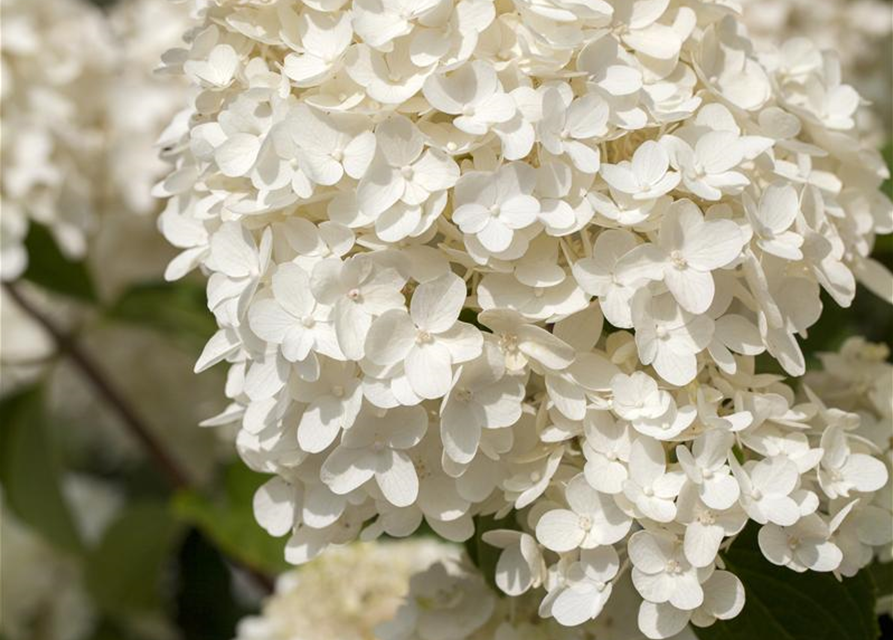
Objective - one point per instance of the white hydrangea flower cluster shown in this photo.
(860, 32)
(81, 112)
(416, 218)
(450, 601)
(56, 55)
(363, 584)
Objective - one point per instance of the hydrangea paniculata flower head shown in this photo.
(517, 258)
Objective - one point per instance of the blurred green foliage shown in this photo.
(30, 470)
(228, 520)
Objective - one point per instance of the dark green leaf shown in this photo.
(205, 607)
(31, 472)
(785, 605)
(125, 571)
(882, 575)
(176, 309)
(229, 520)
(471, 317)
(49, 268)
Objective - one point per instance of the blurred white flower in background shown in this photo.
(44, 595)
(859, 32)
(344, 594)
(56, 60)
(79, 86)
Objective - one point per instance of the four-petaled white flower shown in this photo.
(473, 94)
(592, 520)
(493, 207)
(375, 447)
(650, 487)
(429, 338)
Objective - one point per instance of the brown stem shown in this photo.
(66, 344)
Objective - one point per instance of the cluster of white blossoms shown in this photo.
(81, 114)
(860, 32)
(56, 55)
(418, 218)
(344, 594)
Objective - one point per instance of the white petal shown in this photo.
(390, 337)
(559, 530)
(429, 370)
(398, 481)
(274, 507)
(436, 304)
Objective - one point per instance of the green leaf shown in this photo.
(124, 572)
(471, 317)
(229, 520)
(205, 606)
(784, 605)
(49, 268)
(31, 472)
(173, 308)
(882, 575)
(887, 152)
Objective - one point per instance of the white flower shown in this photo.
(843, 471)
(482, 396)
(705, 465)
(493, 206)
(405, 171)
(334, 401)
(706, 528)
(801, 546)
(723, 600)
(388, 78)
(521, 565)
(293, 319)
(607, 446)
(522, 343)
(637, 396)
(324, 39)
(598, 276)
(650, 487)
(429, 339)
(651, 411)
(669, 338)
(586, 589)
(646, 176)
(358, 290)
(374, 447)
(379, 22)
(777, 210)
(331, 146)
(358, 175)
(444, 603)
(366, 579)
(689, 249)
(592, 520)
(473, 94)
(565, 126)
(766, 488)
(661, 573)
